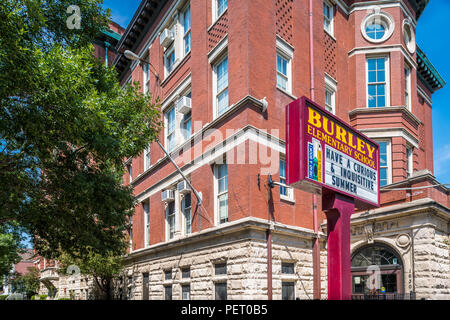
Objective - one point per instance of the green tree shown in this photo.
(66, 127)
(10, 247)
(102, 268)
(27, 283)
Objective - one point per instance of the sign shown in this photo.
(324, 154)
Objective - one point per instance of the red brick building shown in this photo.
(224, 72)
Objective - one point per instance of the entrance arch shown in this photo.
(376, 269)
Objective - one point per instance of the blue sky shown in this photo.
(429, 40)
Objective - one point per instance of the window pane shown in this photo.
(221, 6)
(282, 65)
(186, 292)
(220, 291)
(281, 82)
(168, 275)
(223, 208)
(222, 102)
(220, 268)
(287, 268)
(187, 19)
(187, 43)
(168, 292)
(287, 291)
(186, 273)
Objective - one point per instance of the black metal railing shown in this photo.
(385, 296)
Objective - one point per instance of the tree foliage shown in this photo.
(66, 126)
(27, 283)
(103, 268)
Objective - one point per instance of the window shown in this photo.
(186, 125)
(220, 269)
(220, 290)
(168, 292)
(170, 119)
(329, 100)
(171, 219)
(187, 29)
(146, 69)
(130, 232)
(408, 87)
(409, 161)
(222, 192)
(284, 65)
(186, 205)
(145, 287)
(221, 86)
(287, 268)
(408, 36)
(287, 290)
(168, 275)
(130, 173)
(221, 6)
(169, 59)
(384, 162)
(282, 72)
(328, 17)
(377, 82)
(284, 191)
(147, 223)
(186, 273)
(375, 30)
(186, 292)
(377, 27)
(147, 158)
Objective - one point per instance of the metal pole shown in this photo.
(199, 199)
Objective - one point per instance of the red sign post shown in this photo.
(325, 155)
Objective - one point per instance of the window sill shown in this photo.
(330, 34)
(176, 67)
(287, 199)
(217, 19)
(287, 93)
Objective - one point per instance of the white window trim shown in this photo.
(167, 53)
(147, 153)
(183, 36)
(287, 52)
(409, 161)
(183, 220)
(331, 31)
(389, 159)
(166, 128)
(130, 172)
(216, 195)
(214, 14)
(331, 85)
(218, 61)
(146, 76)
(388, 78)
(383, 17)
(166, 220)
(408, 86)
(146, 223)
(290, 191)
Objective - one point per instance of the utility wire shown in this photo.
(416, 188)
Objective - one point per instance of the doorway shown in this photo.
(376, 270)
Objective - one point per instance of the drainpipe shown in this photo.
(269, 264)
(316, 245)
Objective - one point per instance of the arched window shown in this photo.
(376, 254)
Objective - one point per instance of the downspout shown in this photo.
(316, 245)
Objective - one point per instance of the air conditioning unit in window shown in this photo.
(183, 187)
(168, 195)
(184, 105)
(186, 296)
(166, 38)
